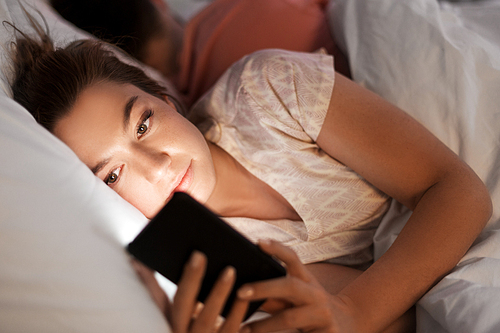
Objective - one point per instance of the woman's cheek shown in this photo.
(143, 199)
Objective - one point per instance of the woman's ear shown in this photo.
(169, 101)
(174, 102)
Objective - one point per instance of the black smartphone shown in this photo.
(185, 225)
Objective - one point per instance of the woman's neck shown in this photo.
(231, 182)
(238, 193)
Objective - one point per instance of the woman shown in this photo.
(128, 131)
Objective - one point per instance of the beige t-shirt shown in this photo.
(269, 109)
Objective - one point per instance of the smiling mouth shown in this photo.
(185, 182)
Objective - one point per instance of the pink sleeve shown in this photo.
(230, 29)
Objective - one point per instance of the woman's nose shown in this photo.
(153, 165)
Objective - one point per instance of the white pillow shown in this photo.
(187, 9)
(63, 267)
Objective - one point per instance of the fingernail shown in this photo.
(245, 292)
(196, 259)
(229, 273)
(245, 329)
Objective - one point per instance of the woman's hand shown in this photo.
(183, 314)
(297, 300)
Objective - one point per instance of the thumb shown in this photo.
(155, 291)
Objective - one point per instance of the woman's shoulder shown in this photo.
(276, 65)
(297, 81)
(276, 72)
(281, 55)
(284, 89)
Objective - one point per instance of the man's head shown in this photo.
(130, 24)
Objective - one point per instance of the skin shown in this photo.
(148, 166)
(162, 50)
(180, 313)
(376, 139)
(449, 202)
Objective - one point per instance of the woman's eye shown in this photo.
(113, 176)
(143, 127)
(144, 124)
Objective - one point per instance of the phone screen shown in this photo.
(184, 225)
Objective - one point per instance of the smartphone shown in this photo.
(185, 225)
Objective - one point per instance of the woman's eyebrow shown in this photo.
(126, 119)
(99, 166)
(127, 110)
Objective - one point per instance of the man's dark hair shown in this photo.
(129, 24)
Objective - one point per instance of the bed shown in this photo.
(440, 62)
(62, 231)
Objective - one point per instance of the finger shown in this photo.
(156, 292)
(274, 305)
(288, 256)
(306, 318)
(185, 298)
(235, 317)
(215, 301)
(289, 289)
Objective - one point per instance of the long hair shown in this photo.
(47, 80)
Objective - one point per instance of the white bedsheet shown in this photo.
(440, 62)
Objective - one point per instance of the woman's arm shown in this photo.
(306, 298)
(401, 158)
(335, 277)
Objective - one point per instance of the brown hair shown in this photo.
(47, 80)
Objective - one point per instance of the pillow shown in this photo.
(186, 9)
(63, 267)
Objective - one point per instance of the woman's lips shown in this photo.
(185, 181)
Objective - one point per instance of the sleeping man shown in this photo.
(194, 55)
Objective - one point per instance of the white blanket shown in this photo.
(440, 62)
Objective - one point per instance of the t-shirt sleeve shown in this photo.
(291, 90)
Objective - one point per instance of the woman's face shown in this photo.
(139, 145)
